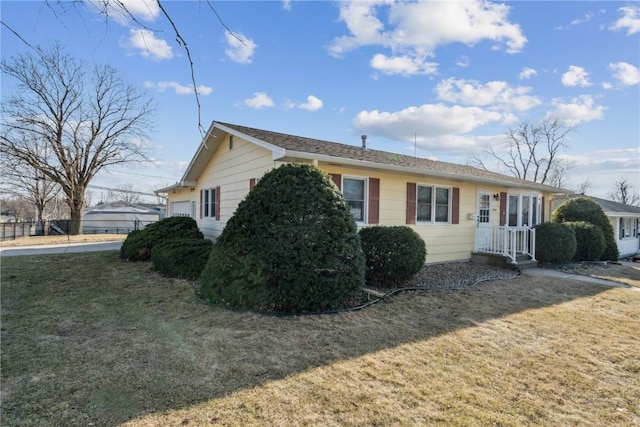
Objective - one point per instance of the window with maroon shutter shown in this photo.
(252, 183)
(201, 204)
(374, 200)
(411, 203)
(337, 180)
(455, 205)
(217, 207)
(503, 208)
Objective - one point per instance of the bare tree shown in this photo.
(531, 152)
(624, 193)
(23, 181)
(583, 187)
(88, 118)
(124, 193)
(19, 208)
(119, 10)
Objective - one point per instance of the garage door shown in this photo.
(180, 208)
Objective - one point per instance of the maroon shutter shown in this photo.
(455, 206)
(201, 205)
(503, 208)
(374, 200)
(252, 183)
(411, 202)
(337, 180)
(218, 203)
(542, 210)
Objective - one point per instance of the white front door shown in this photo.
(483, 221)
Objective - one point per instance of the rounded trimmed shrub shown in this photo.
(585, 209)
(393, 254)
(291, 245)
(555, 243)
(590, 242)
(138, 244)
(181, 258)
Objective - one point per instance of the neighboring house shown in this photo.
(456, 209)
(120, 217)
(623, 218)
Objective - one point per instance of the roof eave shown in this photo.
(418, 171)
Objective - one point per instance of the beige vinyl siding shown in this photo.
(231, 170)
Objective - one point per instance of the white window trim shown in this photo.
(365, 204)
(519, 208)
(209, 193)
(433, 204)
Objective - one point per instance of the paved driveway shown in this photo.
(60, 249)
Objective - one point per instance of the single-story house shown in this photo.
(623, 218)
(458, 210)
(120, 217)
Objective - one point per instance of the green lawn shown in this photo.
(90, 340)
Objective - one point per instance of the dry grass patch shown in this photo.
(61, 240)
(113, 342)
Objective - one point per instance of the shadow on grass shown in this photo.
(87, 338)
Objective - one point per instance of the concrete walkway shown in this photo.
(60, 249)
(549, 272)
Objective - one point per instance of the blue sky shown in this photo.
(440, 79)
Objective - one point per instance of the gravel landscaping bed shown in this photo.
(457, 275)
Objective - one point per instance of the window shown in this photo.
(353, 191)
(427, 210)
(523, 210)
(628, 228)
(210, 200)
(484, 210)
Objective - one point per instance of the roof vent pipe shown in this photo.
(364, 141)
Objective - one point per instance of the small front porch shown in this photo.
(516, 244)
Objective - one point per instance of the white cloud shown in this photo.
(286, 5)
(463, 62)
(121, 11)
(413, 30)
(148, 46)
(434, 126)
(581, 109)
(630, 20)
(178, 88)
(527, 73)
(587, 17)
(313, 103)
(259, 100)
(404, 65)
(576, 76)
(240, 48)
(625, 73)
(493, 94)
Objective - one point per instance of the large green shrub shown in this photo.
(585, 209)
(590, 242)
(555, 243)
(138, 244)
(181, 258)
(393, 254)
(292, 245)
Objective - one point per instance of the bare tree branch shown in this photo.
(531, 152)
(88, 119)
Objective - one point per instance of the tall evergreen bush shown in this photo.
(291, 245)
(585, 209)
(555, 243)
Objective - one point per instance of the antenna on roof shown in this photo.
(415, 144)
(364, 141)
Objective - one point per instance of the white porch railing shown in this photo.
(507, 241)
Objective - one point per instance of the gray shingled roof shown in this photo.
(353, 152)
(609, 206)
